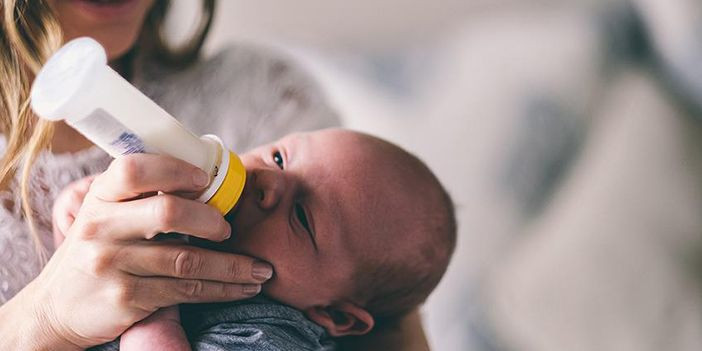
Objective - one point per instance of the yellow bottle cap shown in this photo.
(232, 186)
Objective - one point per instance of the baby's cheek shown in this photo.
(295, 289)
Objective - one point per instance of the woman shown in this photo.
(107, 275)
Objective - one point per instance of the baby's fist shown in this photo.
(66, 207)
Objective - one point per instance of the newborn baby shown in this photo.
(358, 231)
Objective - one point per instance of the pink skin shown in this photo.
(268, 220)
(115, 26)
(330, 176)
(353, 195)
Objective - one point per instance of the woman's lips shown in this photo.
(108, 9)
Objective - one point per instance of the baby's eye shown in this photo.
(278, 159)
(302, 217)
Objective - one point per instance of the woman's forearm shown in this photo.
(24, 327)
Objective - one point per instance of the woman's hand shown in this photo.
(108, 275)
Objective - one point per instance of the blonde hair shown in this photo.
(29, 34)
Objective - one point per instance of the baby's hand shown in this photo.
(160, 331)
(67, 205)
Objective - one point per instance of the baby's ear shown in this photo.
(342, 319)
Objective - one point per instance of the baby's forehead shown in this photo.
(332, 136)
(334, 149)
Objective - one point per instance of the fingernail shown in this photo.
(227, 231)
(262, 271)
(200, 178)
(252, 289)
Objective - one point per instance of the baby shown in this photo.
(358, 231)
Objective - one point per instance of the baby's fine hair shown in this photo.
(392, 286)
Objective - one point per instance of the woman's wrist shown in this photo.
(26, 325)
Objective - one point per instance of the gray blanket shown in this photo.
(254, 324)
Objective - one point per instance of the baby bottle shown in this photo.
(77, 85)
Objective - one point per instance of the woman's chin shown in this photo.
(117, 41)
(108, 10)
(115, 24)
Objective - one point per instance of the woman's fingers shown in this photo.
(145, 218)
(130, 176)
(188, 262)
(160, 292)
(168, 213)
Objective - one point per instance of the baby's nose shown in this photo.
(270, 188)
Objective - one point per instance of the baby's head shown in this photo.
(356, 228)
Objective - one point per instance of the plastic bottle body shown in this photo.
(126, 121)
(77, 85)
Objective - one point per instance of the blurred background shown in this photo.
(567, 132)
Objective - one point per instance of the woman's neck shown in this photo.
(68, 140)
